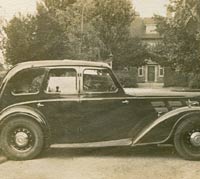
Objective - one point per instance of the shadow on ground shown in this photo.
(150, 151)
(2, 157)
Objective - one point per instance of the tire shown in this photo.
(21, 139)
(187, 138)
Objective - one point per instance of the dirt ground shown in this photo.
(103, 163)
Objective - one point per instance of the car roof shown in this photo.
(52, 63)
(65, 62)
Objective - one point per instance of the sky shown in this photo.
(146, 8)
(10, 7)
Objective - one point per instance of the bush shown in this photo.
(173, 78)
(127, 78)
(194, 81)
(2, 74)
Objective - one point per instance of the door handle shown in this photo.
(40, 105)
(125, 102)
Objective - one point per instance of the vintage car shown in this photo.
(81, 103)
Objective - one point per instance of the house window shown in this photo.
(141, 71)
(161, 71)
(151, 29)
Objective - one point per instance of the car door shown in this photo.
(106, 112)
(60, 104)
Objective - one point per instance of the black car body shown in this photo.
(44, 103)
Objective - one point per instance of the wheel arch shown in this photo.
(31, 114)
(181, 119)
(177, 115)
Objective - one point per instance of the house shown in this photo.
(151, 72)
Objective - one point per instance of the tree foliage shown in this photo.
(53, 33)
(133, 52)
(38, 37)
(53, 5)
(1, 33)
(19, 31)
(112, 19)
(84, 29)
(181, 42)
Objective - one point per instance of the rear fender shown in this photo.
(146, 136)
(182, 118)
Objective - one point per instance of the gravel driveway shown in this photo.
(103, 163)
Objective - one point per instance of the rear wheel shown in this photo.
(187, 139)
(21, 139)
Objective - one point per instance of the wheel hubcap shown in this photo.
(195, 139)
(21, 139)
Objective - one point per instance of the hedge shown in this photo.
(127, 77)
(173, 78)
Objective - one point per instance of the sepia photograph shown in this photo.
(99, 89)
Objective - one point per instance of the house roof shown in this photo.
(149, 20)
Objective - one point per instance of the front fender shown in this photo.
(23, 110)
(161, 129)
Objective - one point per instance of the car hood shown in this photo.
(161, 92)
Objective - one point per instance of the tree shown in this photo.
(2, 36)
(53, 5)
(181, 43)
(53, 33)
(50, 41)
(1, 32)
(132, 53)
(112, 19)
(81, 33)
(37, 37)
(193, 19)
(19, 31)
(70, 29)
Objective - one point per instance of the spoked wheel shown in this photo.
(187, 139)
(21, 139)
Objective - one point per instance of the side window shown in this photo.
(161, 71)
(141, 71)
(98, 80)
(62, 80)
(27, 81)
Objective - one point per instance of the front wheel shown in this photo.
(187, 138)
(21, 139)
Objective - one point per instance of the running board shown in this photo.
(112, 143)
